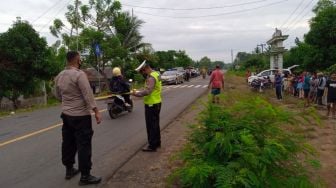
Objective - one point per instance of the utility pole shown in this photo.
(231, 55)
(77, 21)
(262, 47)
(132, 13)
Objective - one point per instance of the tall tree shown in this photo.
(25, 59)
(205, 62)
(127, 29)
(322, 35)
(102, 22)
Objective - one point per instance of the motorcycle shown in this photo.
(116, 105)
(261, 83)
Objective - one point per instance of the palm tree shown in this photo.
(127, 29)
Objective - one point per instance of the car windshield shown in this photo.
(169, 73)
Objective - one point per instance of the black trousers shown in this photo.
(278, 92)
(77, 136)
(152, 116)
(320, 94)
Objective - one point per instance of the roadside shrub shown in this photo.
(240, 73)
(331, 69)
(245, 144)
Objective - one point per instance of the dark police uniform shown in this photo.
(73, 89)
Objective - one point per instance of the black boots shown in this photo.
(89, 180)
(84, 180)
(70, 173)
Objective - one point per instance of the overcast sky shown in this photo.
(202, 28)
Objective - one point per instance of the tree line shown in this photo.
(317, 51)
(26, 59)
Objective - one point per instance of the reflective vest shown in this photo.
(155, 96)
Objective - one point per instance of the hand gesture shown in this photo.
(98, 117)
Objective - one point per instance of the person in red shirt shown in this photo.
(216, 83)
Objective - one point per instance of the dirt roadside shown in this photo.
(149, 170)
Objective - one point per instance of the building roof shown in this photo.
(277, 38)
(94, 76)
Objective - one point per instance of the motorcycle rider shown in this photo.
(203, 72)
(118, 85)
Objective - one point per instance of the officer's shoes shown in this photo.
(148, 149)
(89, 180)
(70, 173)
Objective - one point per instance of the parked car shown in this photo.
(195, 73)
(271, 73)
(180, 70)
(172, 77)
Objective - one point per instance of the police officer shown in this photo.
(73, 89)
(152, 101)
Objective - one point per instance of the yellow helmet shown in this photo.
(116, 71)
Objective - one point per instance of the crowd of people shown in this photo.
(313, 88)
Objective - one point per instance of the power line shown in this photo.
(214, 15)
(48, 10)
(197, 8)
(298, 16)
(290, 16)
(58, 12)
(298, 21)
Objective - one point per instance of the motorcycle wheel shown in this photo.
(130, 109)
(112, 115)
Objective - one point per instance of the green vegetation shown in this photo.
(246, 142)
(317, 52)
(25, 60)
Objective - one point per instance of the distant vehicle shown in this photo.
(194, 72)
(172, 77)
(261, 83)
(180, 70)
(271, 73)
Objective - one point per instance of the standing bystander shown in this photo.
(278, 85)
(331, 97)
(321, 87)
(216, 84)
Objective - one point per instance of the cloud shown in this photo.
(206, 36)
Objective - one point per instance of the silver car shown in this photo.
(172, 77)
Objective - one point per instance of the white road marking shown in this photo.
(198, 86)
(176, 86)
(205, 86)
(190, 86)
(184, 86)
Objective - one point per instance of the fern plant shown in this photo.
(243, 144)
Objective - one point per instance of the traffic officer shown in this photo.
(152, 101)
(73, 89)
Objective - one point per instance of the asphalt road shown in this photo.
(30, 143)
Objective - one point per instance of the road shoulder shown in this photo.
(152, 169)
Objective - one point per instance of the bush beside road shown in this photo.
(302, 146)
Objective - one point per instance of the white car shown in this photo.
(172, 77)
(271, 73)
